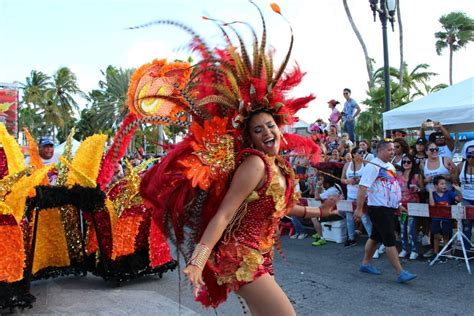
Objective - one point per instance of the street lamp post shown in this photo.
(386, 11)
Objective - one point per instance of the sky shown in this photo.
(89, 35)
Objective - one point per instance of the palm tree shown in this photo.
(414, 83)
(64, 89)
(110, 100)
(458, 31)
(88, 124)
(400, 39)
(35, 88)
(50, 98)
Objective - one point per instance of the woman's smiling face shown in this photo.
(264, 133)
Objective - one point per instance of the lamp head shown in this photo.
(373, 7)
(391, 6)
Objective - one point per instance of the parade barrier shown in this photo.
(457, 212)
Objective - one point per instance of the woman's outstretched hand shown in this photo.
(194, 274)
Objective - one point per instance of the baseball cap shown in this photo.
(435, 135)
(333, 102)
(46, 140)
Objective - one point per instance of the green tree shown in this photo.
(415, 82)
(110, 100)
(34, 89)
(89, 125)
(458, 31)
(33, 98)
(50, 98)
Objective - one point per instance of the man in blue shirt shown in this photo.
(348, 115)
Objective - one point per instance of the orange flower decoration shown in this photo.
(213, 158)
(152, 90)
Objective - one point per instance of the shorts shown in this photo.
(441, 226)
(383, 225)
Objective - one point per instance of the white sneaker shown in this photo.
(381, 249)
(413, 255)
(376, 254)
(294, 236)
(302, 236)
(402, 254)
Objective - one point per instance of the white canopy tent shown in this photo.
(59, 150)
(452, 106)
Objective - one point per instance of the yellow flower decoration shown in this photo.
(78, 176)
(17, 198)
(51, 245)
(249, 265)
(13, 152)
(86, 162)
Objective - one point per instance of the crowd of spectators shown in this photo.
(425, 170)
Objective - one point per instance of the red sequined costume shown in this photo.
(245, 251)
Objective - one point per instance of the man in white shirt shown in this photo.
(46, 151)
(380, 184)
(48, 157)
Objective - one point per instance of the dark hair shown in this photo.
(331, 182)
(428, 145)
(246, 128)
(437, 179)
(347, 90)
(367, 143)
(403, 144)
(414, 168)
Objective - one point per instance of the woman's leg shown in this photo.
(403, 232)
(317, 226)
(265, 297)
(299, 228)
(412, 234)
(350, 224)
(467, 226)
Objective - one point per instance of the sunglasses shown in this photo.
(433, 149)
(374, 141)
(360, 152)
(345, 93)
(440, 137)
(388, 140)
(406, 162)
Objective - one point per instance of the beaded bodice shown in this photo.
(255, 222)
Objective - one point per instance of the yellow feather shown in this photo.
(13, 152)
(17, 198)
(87, 159)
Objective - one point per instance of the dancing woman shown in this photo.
(242, 231)
(221, 192)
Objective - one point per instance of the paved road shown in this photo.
(319, 281)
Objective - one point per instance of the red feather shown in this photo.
(107, 169)
(302, 145)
